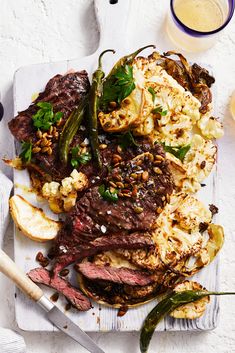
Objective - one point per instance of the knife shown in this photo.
(56, 316)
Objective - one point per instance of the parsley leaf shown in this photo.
(178, 151)
(26, 151)
(78, 159)
(45, 117)
(151, 90)
(118, 86)
(159, 110)
(126, 140)
(107, 195)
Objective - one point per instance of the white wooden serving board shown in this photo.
(28, 80)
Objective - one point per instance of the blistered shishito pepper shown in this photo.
(127, 60)
(70, 128)
(95, 94)
(167, 305)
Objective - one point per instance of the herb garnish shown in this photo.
(107, 194)
(127, 140)
(118, 86)
(151, 90)
(26, 151)
(159, 110)
(78, 159)
(45, 116)
(178, 151)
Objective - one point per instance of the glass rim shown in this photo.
(197, 33)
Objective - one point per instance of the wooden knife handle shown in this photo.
(11, 270)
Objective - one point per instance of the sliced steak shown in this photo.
(147, 190)
(120, 294)
(74, 252)
(121, 275)
(76, 298)
(117, 225)
(64, 92)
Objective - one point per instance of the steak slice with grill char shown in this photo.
(76, 298)
(64, 92)
(71, 252)
(121, 275)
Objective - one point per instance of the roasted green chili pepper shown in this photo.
(167, 305)
(126, 60)
(95, 94)
(70, 128)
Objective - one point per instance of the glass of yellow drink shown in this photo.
(194, 25)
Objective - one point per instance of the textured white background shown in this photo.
(33, 31)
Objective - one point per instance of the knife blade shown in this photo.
(54, 314)
(65, 324)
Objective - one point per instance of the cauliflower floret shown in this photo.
(178, 170)
(56, 205)
(191, 212)
(146, 127)
(67, 186)
(177, 234)
(200, 159)
(171, 93)
(172, 240)
(191, 310)
(182, 108)
(182, 180)
(62, 197)
(69, 200)
(190, 186)
(210, 127)
(176, 131)
(196, 166)
(135, 112)
(51, 190)
(80, 180)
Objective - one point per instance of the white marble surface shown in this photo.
(33, 31)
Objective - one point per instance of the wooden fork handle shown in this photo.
(11, 270)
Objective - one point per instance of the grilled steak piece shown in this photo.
(120, 294)
(75, 297)
(117, 225)
(122, 275)
(146, 192)
(64, 92)
(73, 252)
(123, 294)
